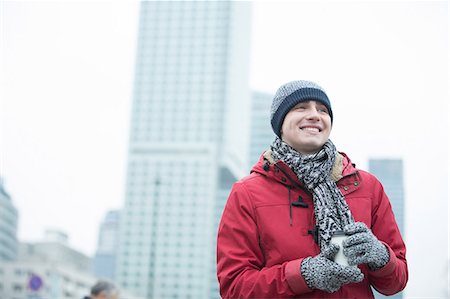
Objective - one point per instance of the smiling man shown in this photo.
(274, 238)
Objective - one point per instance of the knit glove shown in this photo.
(362, 247)
(320, 272)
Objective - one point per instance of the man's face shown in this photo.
(307, 127)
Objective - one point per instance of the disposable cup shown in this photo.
(337, 238)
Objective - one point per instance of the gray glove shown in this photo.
(320, 272)
(362, 247)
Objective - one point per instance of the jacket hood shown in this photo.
(281, 172)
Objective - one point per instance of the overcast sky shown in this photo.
(66, 84)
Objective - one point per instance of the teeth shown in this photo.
(310, 129)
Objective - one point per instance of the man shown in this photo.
(104, 290)
(274, 235)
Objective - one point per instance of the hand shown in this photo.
(320, 272)
(362, 247)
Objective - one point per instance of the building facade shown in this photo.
(48, 269)
(261, 133)
(104, 261)
(188, 128)
(8, 226)
(390, 173)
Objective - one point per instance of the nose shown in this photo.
(313, 114)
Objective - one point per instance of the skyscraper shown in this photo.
(261, 136)
(189, 129)
(105, 258)
(390, 173)
(8, 226)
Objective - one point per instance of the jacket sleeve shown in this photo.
(392, 278)
(241, 268)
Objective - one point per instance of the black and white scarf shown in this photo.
(330, 208)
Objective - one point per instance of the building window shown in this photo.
(17, 287)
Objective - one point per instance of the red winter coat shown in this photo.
(263, 239)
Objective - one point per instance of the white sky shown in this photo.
(66, 88)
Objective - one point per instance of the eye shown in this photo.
(300, 107)
(322, 109)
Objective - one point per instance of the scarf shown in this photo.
(314, 171)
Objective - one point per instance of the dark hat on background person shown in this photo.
(105, 286)
(292, 93)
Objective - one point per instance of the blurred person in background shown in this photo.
(103, 290)
(274, 235)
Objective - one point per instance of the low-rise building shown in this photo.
(8, 226)
(49, 269)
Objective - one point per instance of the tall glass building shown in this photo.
(104, 261)
(261, 133)
(188, 138)
(8, 226)
(390, 173)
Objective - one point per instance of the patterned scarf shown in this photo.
(330, 208)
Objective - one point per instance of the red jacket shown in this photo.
(263, 239)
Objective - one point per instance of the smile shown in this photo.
(311, 129)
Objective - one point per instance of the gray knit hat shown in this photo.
(292, 93)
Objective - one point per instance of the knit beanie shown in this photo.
(292, 93)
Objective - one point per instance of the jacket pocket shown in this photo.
(281, 241)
